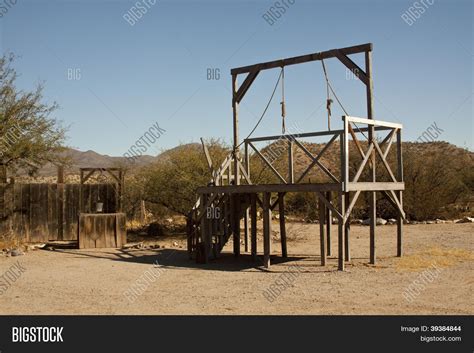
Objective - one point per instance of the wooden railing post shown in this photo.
(399, 194)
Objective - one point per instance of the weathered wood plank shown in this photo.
(372, 122)
(340, 225)
(281, 208)
(253, 225)
(302, 59)
(322, 235)
(346, 221)
(328, 223)
(236, 223)
(267, 223)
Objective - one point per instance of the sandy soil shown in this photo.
(70, 281)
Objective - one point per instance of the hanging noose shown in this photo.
(328, 97)
(283, 108)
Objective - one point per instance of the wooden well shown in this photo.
(101, 230)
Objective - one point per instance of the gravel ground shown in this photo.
(110, 281)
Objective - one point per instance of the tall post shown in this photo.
(340, 235)
(226, 220)
(253, 226)
(246, 224)
(347, 227)
(267, 224)
(322, 215)
(247, 199)
(328, 223)
(281, 209)
(370, 115)
(399, 194)
(212, 226)
(189, 233)
(235, 110)
(247, 158)
(234, 204)
(204, 229)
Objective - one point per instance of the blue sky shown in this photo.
(155, 70)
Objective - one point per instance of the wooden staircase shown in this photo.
(215, 216)
(211, 222)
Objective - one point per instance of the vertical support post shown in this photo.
(246, 225)
(281, 209)
(370, 115)
(235, 110)
(322, 236)
(189, 233)
(328, 223)
(60, 202)
(344, 140)
(227, 220)
(291, 174)
(235, 200)
(253, 227)
(347, 227)
(204, 228)
(212, 224)
(267, 223)
(340, 225)
(247, 159)
(399, 194)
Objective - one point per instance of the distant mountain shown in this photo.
(90, 159)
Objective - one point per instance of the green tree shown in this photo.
(29, 137)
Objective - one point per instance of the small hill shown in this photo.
(80, 159)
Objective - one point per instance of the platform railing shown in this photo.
(342, 136)
(369, 151)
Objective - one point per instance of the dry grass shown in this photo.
(441, 257)
(9, 240)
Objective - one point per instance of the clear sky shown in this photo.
(156, 70)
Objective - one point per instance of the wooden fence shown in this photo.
(42, 212)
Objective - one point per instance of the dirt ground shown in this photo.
(72, 281)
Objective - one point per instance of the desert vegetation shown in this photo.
(443, 175)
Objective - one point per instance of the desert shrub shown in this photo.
(172, 181)
(437, 175)
(439, 179)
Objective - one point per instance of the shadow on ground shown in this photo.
(179, 258)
